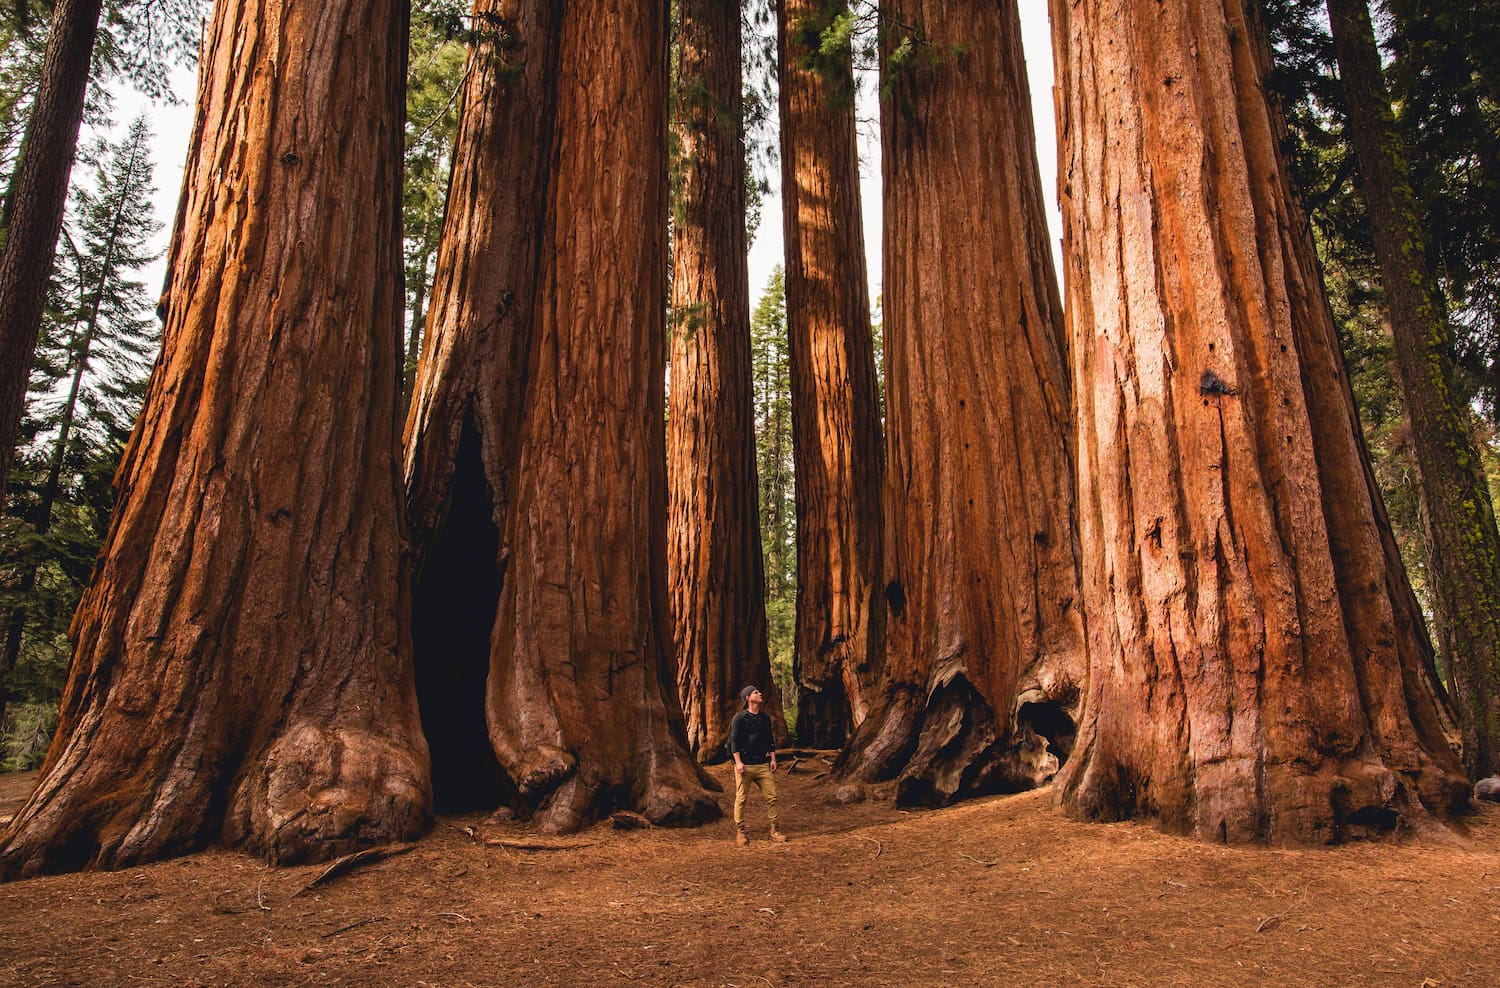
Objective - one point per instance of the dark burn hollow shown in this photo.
(454, 603)
(1050, 722)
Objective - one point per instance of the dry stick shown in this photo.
(1265, 924)
(987, 864)
(539, 845)
(879, 847)
(352, 926)
(351, 861)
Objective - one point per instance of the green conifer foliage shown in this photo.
(99, 340)
(773, 446)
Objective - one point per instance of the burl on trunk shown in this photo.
(242, 661)
(536, 463)
(1258, 659)
(985, 651)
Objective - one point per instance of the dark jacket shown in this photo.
(750, 735)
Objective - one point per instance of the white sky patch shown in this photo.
(172, 126)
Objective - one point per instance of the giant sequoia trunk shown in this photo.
(536, 467)
(716, 577)
(1258, 659)
(985, 651)
(242, 663)
(835, 420)
(32, 213)
(1465, 548)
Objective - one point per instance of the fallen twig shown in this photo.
(351, 861)
(987, 864)
(1270, 922)
(539, 844)
(352, 926)
(458, 916)
(879, 847)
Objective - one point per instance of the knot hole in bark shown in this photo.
(1212, 384)
(895, 595)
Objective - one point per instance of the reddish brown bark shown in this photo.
(33, 208)
(985, 651)
(716, 576)
(1464, 553)
(536, 466)
(1258, 658)
(241, 671)
(835, 420)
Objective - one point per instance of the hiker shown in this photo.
(754, 749)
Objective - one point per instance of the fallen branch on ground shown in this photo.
(352, 926)
(538, 844)
(349, 862)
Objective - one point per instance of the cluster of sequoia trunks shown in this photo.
(1137, 545)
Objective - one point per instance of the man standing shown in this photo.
(754, 749)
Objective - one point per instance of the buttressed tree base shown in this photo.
(242, 664)
(1258, 658)
(985, 654)
(535, 448)
(836, 443)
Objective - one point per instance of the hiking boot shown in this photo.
(741, 839)
(777, 837)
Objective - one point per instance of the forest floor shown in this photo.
(1000, 891)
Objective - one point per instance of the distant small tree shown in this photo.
(771, 380)
(140, 40)
(1465, 546)
(434, 75)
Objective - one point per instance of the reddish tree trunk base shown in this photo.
(982, 621)
(536, 466)
(1258, 660)
(242, 666)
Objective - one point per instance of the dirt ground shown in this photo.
(1000, 891)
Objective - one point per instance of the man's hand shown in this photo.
(739, 766)
(773, 761)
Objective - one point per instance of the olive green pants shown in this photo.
(765, 781)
